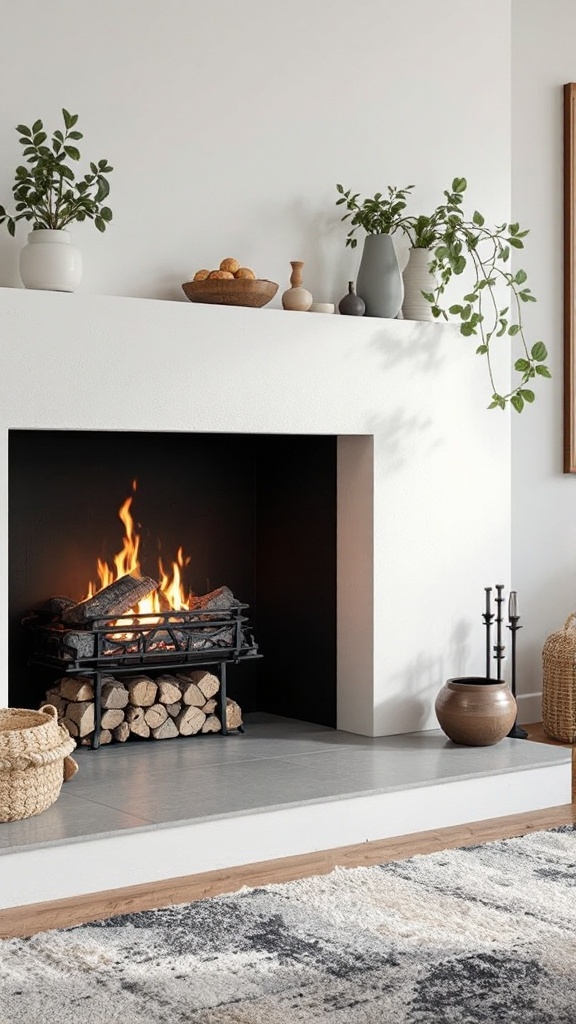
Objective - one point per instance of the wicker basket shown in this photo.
(34, 759)
(559, 683)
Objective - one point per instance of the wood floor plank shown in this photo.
(29, 920)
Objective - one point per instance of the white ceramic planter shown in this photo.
(418, 279)
(50, 262)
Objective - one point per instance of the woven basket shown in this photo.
(34, 759)
(559, 683)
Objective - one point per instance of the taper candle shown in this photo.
(513, 605)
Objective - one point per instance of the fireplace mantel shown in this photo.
(423, 468)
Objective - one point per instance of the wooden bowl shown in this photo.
(231, 292)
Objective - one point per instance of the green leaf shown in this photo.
(539, 352)
(455, 310)
(528, 396)
(459, 265)
(37, 127)
(481, 350)
(543, 371)
(514, 329)
(517, 243)
(466, 312)
(520, 277)
(106, 213)
(428, 296)
(471, 297)
(478, 218)
(67, 118)
(23, 130)
(72, 152)
(467, 329)
(521, 365)
(518, 402)
(459, 185)
(100, 223)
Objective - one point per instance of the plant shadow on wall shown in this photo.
(421, 678)
(464, 247)
(48, 194)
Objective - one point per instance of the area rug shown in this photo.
(470, 936)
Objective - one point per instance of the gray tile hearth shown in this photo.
(275, 763)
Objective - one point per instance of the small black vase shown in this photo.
(352, 304)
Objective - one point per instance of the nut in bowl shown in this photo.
(231, 291)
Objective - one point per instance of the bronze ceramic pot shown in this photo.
(475, 711)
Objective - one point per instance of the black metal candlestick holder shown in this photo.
(516, 732)
(499, 646)
(488, 617)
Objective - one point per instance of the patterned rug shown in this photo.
(470, 936)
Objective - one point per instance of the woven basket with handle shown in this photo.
(34, 760)
(559, 683)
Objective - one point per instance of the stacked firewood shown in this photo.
(183, 704)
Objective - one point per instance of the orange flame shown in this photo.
(171, 594)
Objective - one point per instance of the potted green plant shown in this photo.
(468, 242)
(48, 194)
(380, 282)
(424, 232)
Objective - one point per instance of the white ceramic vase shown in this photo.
(417, 279)
(50, 262)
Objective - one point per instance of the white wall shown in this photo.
(544, 500)
(229, 124)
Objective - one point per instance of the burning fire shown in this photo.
(171, 594)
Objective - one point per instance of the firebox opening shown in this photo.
(255, 513)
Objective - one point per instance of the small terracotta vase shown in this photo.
(296, 297)
(475, 711)
(352, 304)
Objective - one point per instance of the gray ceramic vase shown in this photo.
(380, 282)
(352, 304)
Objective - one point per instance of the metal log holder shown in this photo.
(126, 644)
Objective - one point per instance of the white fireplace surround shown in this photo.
(423, 467)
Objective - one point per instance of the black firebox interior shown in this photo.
(256, 513)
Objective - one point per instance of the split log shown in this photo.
(207, 682)
(121, 732)
(167, 731)
(209, 706)
(53, 697)
(114, 694)
(174, 709)
(168, 689)
(156, 715)
(105, 737)
(212, 724)
(220, 599)
(135, 720)
(233, 714)
(76, 688)
(191, 694)
(142, 691)
(119, 597)
(70, 726)
(190, 721)
(82, 714)
(112, 718)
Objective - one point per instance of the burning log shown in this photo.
(119, 597)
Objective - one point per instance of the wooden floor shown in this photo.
(28, 920)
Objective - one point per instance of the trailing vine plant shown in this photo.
(462, 242)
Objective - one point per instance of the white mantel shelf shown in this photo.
(423, 467)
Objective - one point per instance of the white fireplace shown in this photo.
(423, 503)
